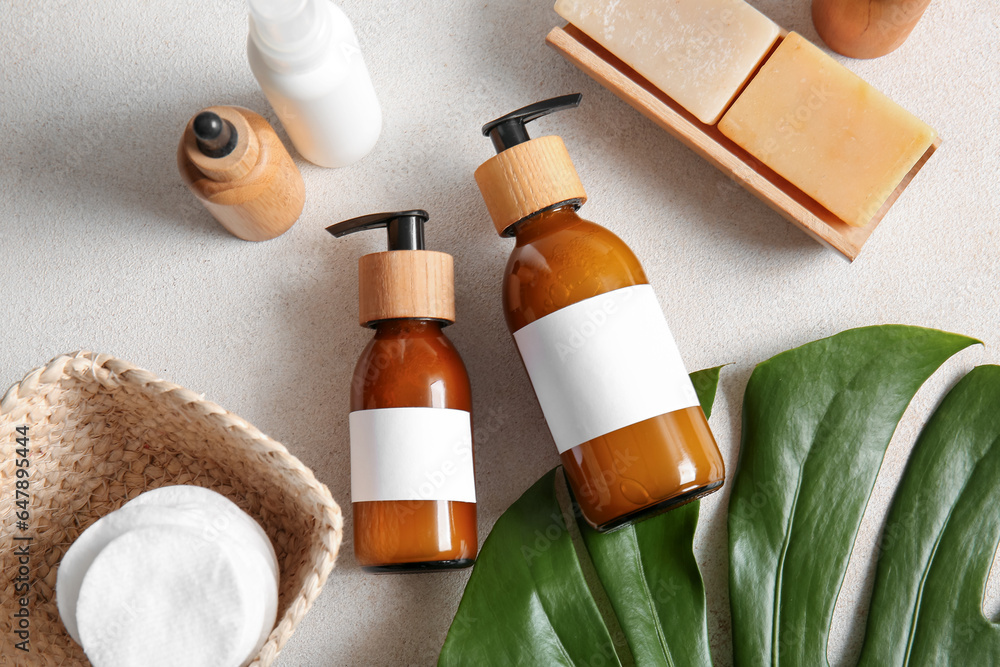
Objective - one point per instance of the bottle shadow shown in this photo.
(134, 172)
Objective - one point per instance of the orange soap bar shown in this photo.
(826, 130)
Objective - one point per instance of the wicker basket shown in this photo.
(102, 431)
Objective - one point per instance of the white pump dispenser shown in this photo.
(307, 61)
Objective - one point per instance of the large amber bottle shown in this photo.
(412, 483)
(607, 373)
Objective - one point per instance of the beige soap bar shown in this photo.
(828, 132)
(698, 52)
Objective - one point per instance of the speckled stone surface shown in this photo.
(102, 247)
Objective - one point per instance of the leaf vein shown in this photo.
(912, 630)
(649, 596)
(776, 614)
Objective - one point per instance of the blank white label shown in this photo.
(604, 363)
(411, 454)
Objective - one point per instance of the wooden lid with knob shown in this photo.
(235, 164)
(407, 281)
(406, 284)
(527, 178)
(527, 175)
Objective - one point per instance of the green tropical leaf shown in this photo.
(651, 576)
(652, 579)
(816, 424)
(528, 602)
(940, 538)
(706, 382)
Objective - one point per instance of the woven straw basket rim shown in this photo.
(102, 431)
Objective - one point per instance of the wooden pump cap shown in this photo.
(528, 178)
(406, 284)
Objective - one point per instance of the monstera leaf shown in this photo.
(941, 534)
(816, 424)
(529, 603)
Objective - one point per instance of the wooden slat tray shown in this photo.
(706, 140)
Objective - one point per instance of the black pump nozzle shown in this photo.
(509, 130)
(215, 136)
(406, 228)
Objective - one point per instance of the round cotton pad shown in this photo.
(229, 518)
(81, 554)
(185, 495)
(163, 597)
(209, 514)
(199, 519)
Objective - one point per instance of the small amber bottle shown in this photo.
(412, 479)
(237, 167)
(607, 373)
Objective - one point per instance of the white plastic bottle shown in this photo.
(307, 61)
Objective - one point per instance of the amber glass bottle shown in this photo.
(632, 437)
(561, 259)
(411, 364)
(412, 481)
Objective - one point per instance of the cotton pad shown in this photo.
(165, 597)
(228, 518)
(256, 583)
(82, 553)
(186, 496)
(213, 517)
(208, 516)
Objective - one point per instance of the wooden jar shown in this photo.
(866, 28)
(256, 191)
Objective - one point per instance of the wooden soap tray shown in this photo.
(706, 140)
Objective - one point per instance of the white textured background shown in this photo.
(102, 247)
